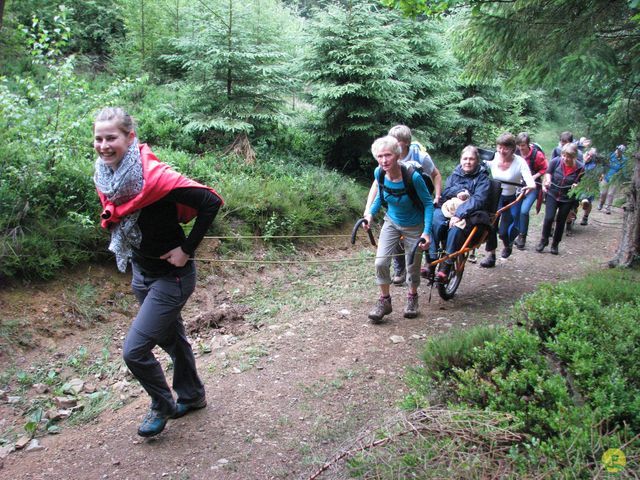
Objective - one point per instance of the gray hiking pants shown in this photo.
(159, 323)
(387, 244)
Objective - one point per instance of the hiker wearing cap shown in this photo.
(534, 156)
(608, 189)
(411, 154)
(562, 175)
(511, 170)
(466, 191)
(403, 192)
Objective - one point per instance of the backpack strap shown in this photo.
(409, 187)
(380, 180)
(532, 157)
(407, 178)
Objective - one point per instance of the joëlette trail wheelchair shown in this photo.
(476, 237)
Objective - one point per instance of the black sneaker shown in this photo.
(554, 249)
(540, 247)
(183, 408)
(585, 221)
(506, 252)
(153, 423)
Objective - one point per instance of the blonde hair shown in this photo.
(570, 149)
(389, 142)
(124, 121)
(401, 132)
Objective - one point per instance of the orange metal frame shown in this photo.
(466, 247)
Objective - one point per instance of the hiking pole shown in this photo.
(355, 231)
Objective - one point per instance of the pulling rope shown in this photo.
(290, 262)
(254, 237)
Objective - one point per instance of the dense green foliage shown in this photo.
(275, 83)
(234, 66)
(570, 46)
(372, 69)
(566, 374)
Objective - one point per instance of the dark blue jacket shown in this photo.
(561, 184)
(477, 183)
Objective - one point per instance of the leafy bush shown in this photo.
(567, 375)
(48, 205)
(291, 197)
(454, 350)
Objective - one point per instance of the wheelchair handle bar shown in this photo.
(415, 249)
(354, 232)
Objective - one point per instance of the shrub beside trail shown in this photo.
(564, 376)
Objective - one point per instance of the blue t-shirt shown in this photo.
(401, 209)
(419, 159)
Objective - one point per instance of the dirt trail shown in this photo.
(286, 396)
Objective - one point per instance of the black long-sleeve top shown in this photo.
(162, 232)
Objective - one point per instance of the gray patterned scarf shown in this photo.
(120, 186)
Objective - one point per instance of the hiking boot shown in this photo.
(489, 261)
(399, 278)
(554, 249)
(183, 408)
(506, 251)
(540, 247)
(585, 220)
(153, 423)
(608, 211)
(411, 309)
(520, 241)
(382, 308)
(599, 206)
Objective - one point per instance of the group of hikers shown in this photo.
(420, 211)
(144, 202)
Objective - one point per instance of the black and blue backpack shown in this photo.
(409, 188)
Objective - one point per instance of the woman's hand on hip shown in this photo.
(176, 257)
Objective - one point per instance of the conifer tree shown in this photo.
(235, 64)
(369, 69)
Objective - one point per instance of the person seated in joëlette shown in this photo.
(469, 187)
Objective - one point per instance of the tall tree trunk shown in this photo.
(628, 254)
(177, 18)
(229, 46)
(142, 30)
(1, 12)
(468, 134)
